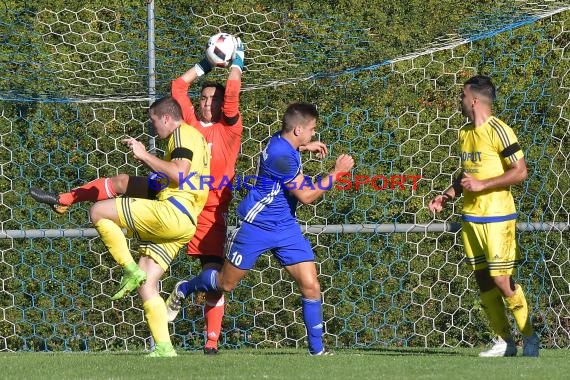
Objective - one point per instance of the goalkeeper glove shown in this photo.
(238, 58)
(203, 67)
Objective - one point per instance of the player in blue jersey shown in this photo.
(268, 222)
(491, 160)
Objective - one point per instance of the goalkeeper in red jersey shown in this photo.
(221, 125)
(220, 122)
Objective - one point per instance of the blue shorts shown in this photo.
(247, 242)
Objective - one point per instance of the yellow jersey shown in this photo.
(486, 152)
(186, 142)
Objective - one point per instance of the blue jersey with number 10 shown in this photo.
(269, 204)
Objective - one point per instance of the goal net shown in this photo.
(78, 81)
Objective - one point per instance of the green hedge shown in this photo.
(60, 129)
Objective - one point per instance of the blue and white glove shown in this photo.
(203, 67)
(239, 57)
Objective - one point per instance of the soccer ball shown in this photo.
(220, 49)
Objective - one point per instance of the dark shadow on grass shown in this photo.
(387, 351)
(400, 351)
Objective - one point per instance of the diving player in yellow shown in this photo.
(492, 161)
(163, 226)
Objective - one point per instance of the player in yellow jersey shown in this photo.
(163, 226)
(492, 161)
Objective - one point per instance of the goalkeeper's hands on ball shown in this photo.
(239, 55)
(203, 67)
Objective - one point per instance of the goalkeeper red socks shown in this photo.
(213, 313)
(97, 190)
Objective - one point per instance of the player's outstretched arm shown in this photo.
(172, 169)
(238, 60)
(233, 85)
(179, 88)
(201, 68)
(438, 203)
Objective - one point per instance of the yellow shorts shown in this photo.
(492, 246)
(161, 228)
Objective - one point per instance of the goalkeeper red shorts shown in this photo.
(210, 236)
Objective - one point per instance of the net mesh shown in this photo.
(76, 84)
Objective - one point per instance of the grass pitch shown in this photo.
(381, 363)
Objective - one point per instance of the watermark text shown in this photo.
(344, 182)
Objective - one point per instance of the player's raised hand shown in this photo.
(437, 203)
(203, 67)
(344, 163)
(239, 55)
(317, 147)
(471, 183)
(138, 148)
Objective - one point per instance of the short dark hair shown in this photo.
(167, 106)
(219, 87)
(482, 85)
(298, 113)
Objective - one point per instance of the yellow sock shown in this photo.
(115, 241)
(494, 307)
(155, 313)
(518, 306)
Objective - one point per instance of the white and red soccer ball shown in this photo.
(220, 49)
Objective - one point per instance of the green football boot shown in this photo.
(163, 350)
(131, 280)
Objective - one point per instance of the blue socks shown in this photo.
(205, 281)
(312, 309)
(313, 319)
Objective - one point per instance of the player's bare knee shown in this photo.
(148, 290)
(120, 183)
(94, 213)
(311, 290)
(226, 286)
